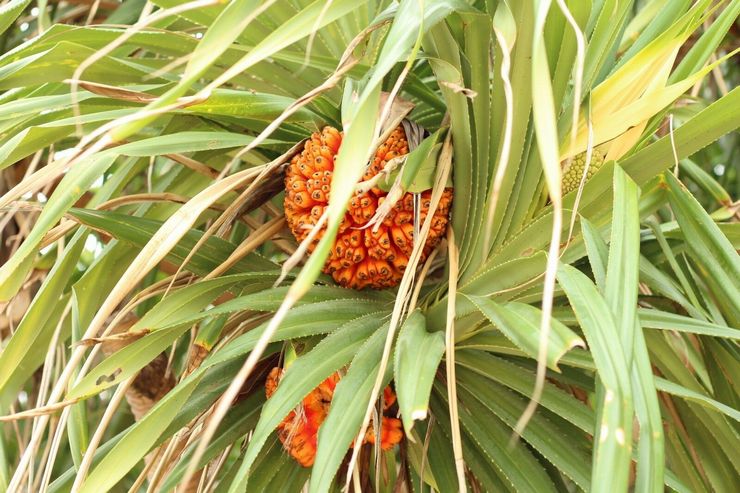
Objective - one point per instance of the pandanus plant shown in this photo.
(396, 246)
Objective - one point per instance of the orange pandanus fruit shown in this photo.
(360, 257)
(299, 429)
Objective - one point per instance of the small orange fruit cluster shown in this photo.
(299, 429)
(360, 257)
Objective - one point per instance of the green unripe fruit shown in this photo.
(573, 172)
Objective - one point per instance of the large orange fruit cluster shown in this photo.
(360, 257)
(299, 430)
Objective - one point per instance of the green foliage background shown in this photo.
(142, 148)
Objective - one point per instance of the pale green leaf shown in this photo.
(416, 359)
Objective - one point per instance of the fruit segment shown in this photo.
(360, 257)
(299, 430)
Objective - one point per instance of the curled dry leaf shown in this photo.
(118, 93)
